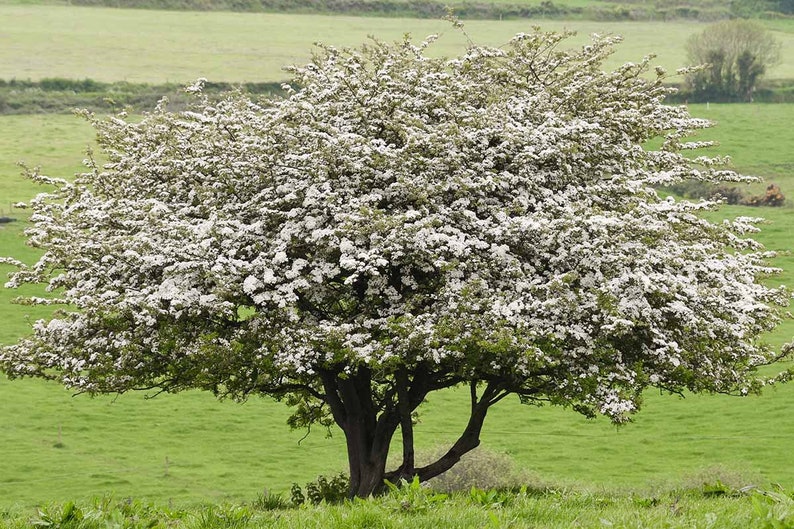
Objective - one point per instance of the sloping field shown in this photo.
(758, 138)
(39, 41)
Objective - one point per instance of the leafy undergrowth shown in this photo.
(712, 505)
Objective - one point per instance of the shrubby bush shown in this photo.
(772, 197)
(735, 54)
(728, 193)
(482, 469)
(323, 489)
(59, 95)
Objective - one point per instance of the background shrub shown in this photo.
(772, 197)
(720, 479)
(483, 469)
(729, 194)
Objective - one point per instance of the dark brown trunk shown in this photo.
(366, 457)
(470, 438)
(406, 423)
(408, 398)
(368, 435)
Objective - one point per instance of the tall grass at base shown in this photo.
(482, 468)
(414, 507)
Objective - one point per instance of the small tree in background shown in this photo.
(399, 225)
(737, 54)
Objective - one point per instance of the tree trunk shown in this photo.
(369, 430)
(367, 434)
(366, 455)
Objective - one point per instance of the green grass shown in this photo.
(57, 447)
(423, 509)
(758, 138)
(185, 448)
(56, 143)
(780, 24)
(161, 46)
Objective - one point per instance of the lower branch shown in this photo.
(470, 438)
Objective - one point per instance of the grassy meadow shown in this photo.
(758, 138)
(103, 44)
(190, 449)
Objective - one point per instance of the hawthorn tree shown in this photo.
(736, 53)
(398, 225)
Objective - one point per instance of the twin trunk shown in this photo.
(369, 429)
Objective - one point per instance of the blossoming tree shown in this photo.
(398, 225)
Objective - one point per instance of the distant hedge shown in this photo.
(405, 8)
(59, 95)
(769, 91)
(472, 9)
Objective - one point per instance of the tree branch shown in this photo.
(332, 397)
(282, 389)
(470, 438)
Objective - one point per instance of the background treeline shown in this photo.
(466, 9)
(58, 95)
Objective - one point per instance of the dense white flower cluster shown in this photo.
(490, 217)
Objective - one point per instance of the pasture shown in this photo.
(757, 137)
(190, 448)
(40, 41)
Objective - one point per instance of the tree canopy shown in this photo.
(399, 224)
(736, 54)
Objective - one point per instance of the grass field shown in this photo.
(420, 509)
(57, 143)
(758, 138)
(40, 41)
(189, 448)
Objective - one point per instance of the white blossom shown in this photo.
(490, 216)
